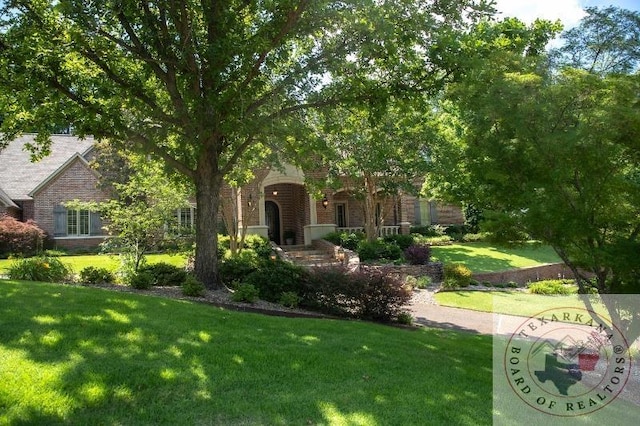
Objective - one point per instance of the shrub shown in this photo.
(456, 232)
(93, 275)
(422, 281)
(377, 250)
(471, 238)
(40, 268)
(553, 287)
(456, 275)
(381, 295)
(238, 267)
(276, 277)
(165, 274)
(405, 318)
(428, 230)
(349, 241)
(140, 280)
(192, 287)
(289, 299)
(23, 238)
(245, 293)
(418, 254)
(401, 240)
(333, 237)
(258, 244)
(434, 241)
(370, 294)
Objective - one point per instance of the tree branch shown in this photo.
(292, 18)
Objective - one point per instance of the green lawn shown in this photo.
(79, 355)
(510, 302)
(479, 257)
(483, 257)
(78, 263)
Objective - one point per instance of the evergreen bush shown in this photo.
(456, 275)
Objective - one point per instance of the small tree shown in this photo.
(141, 214)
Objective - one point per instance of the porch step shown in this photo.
(308, 256)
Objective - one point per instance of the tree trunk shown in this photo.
(370, 226)
(208, 182)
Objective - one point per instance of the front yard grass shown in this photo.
(80, 355)
(111, 262)
(518, 303)
(484, 257)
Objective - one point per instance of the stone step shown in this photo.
(308, 256)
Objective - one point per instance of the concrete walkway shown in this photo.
(432, 315)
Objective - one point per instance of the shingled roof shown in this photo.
(19, 176)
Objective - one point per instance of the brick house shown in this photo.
(37, 190)
(276, 204)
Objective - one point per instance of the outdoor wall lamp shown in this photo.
(325, 201)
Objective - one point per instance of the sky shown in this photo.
(568, 11)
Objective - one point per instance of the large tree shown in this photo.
(605, 41)
(557, 152)
(200, 84)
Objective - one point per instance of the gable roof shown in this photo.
(19, 177)
(60, 170)
(6, 201)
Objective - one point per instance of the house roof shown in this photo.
(6, 201)
(19, 177)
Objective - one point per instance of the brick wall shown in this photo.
(75, 182)
(449, 214)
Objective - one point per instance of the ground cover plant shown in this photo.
(80, 355)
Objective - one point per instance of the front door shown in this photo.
(272, 216)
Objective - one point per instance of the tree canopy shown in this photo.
(376, 155)
(606, 41)
(555, 152)
(203, 84)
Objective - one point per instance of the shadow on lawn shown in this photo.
(500, 259)
(144, 360)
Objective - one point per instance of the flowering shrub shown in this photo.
(40, 268)
(23, 238)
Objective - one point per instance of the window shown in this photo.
(78, 222)
(184, 218)
(75, 223)
(341, 215)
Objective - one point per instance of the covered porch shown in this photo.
(280, 207)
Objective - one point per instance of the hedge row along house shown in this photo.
(276, 204)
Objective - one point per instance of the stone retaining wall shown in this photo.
(525, 275)
(433, 270)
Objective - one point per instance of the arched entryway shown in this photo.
(272, 218)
